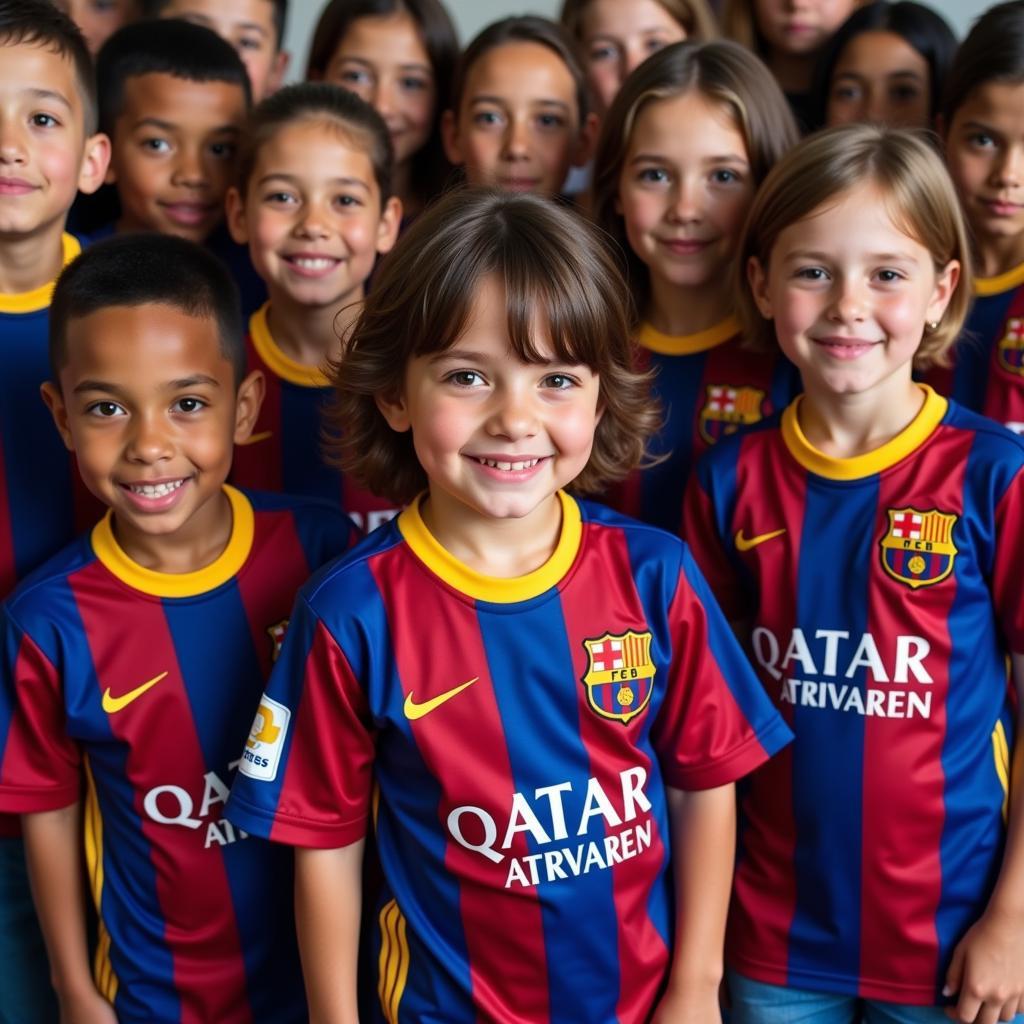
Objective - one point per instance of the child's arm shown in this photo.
(52, 850)
(703, 843)
(987, 968)
(328, 886)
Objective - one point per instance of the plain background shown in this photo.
(471, 15)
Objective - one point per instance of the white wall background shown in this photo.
(471, 15)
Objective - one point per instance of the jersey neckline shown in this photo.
(494, 589)
(279, 362)
(870, 463)
(687, 344)
(39, 298)
(985, 286)
(186, 584)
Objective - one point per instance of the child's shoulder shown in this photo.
(992, 443)
(315, 518)
(37, 598)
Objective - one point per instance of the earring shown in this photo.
(932, 326)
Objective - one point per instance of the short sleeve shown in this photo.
(39, 762)
(305, 775)
(716, 723)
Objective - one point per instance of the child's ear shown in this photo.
(234, 208)
(945, 285)
(394, 410)
(587, 141)
(54, 400)
(248, 400)
(390, 222)
(95, 161)
(278, 69)
(757, 278)
(450, 138)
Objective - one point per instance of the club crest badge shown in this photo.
(918, 548)
(620, 675)
(1010, 350)
(726, 409)
(276, 633)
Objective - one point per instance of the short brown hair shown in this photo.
(918, 193)
(552, 265)
(724, 73)
(693, 15)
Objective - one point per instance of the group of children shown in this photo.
(325, 395)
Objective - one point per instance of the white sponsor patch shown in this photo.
(263, 748)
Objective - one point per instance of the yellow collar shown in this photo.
(39, 298)
(860, 466)
(985, 286)
(280, 363)
(186, 584)
(473, 584)
(687, 344)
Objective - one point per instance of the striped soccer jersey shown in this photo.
(521, 733)
(881, 593)
(149, 681)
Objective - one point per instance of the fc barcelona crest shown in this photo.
(620, 674)
(726, 409)
(276, 633)
(918, 547)
(1010, 350)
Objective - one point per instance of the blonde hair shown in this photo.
(918, 194)
(693, 15)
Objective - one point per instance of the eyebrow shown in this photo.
(501, 100)
(724, 158)
(861, 76)
(183, 383)
(204, 19)
(171, 126)
(294, 179)
(408, 66)
(824, 257)
(49, 94)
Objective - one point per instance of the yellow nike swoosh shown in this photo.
(414, 711)
(743, 544)
(112, 704)
(256, 438)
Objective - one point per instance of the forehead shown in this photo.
(315, 151)
(233, 13)
(28, 68)
(714, 131)
(612, 17)
(136, 345)
(999, 104)
(192, 106)
(386, 38)
(880, 53)
(524, 70)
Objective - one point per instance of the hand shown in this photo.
(987, 970)
(689, 1007)
(86, 1008)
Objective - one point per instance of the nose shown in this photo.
(149, 441)
(313, 221)
(686, 200)
(1009, 169)
(12, 141)
(512, 415)
(633, 55)
(848, 301)
(875, 109)
(517, 136)
(190, 168)
(384, 98)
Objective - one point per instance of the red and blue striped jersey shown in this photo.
(43, 503)
(882, 592)
(987, 372)
(709, 386)
(285, 451)
(521, 733)
(149, 680)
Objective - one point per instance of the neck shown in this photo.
(401, 186)
(792, 71)
(311, 334)
(996, 255)
(845, 426)
(199, 542)
(676, 310)
(502, 548)
(31, 261)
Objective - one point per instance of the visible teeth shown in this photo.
(514, 466)
(156, 490)
(317, 263)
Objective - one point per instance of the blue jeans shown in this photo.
(754, 1002)
(27, 996)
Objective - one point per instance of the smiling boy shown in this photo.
(140, 652)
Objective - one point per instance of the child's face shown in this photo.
(45, 156)
(850, 295)
(312, 216)
(248, 25)
(879, 77)
(985, 155)
(518, 126)
(384, 62)
(684, 189)
(618, 37)
(497, 437)
(799, 27)
(174, 153)
(99, 19)
(148, 404)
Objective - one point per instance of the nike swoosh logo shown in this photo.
(743, 544)
(112, 704)
(413, 711)
(263, 435)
